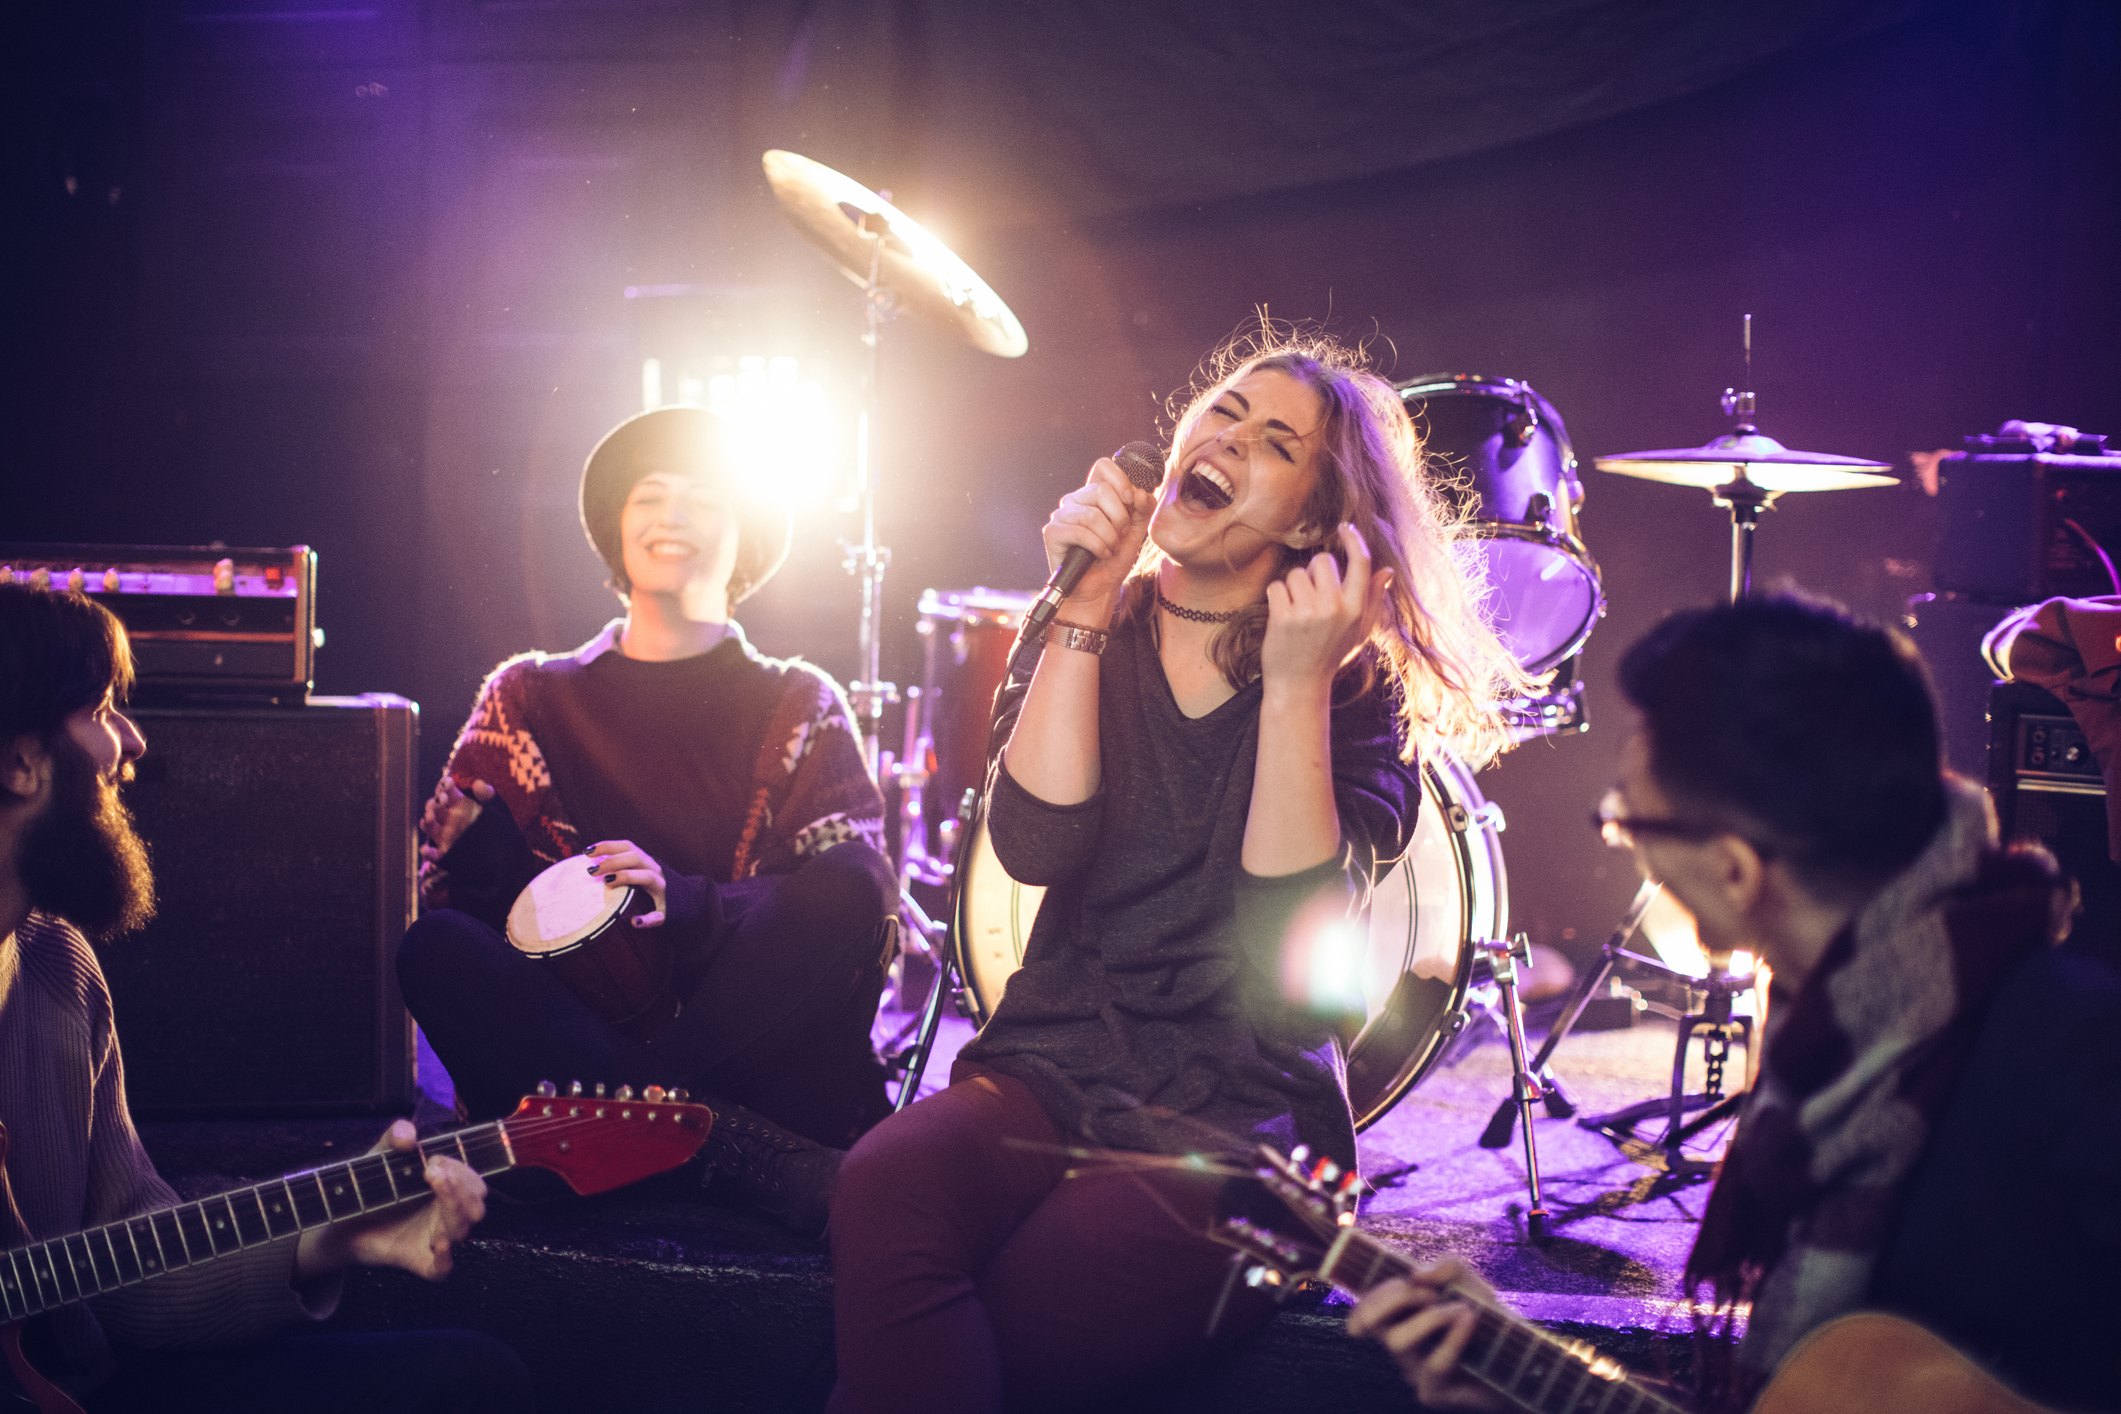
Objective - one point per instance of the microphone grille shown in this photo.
(1143, 462)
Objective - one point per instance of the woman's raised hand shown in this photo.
(1316, 617)
(1108, 516)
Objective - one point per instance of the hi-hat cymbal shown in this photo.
(1748, 455)
(832, 211)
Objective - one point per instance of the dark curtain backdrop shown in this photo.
(357, 277)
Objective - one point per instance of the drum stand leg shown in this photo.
(1497, 1134)
(1503, 959)
(913, 1061)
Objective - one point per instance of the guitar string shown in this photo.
(528, 1127)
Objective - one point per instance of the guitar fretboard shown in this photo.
(43, 1275)
(1508, 1354)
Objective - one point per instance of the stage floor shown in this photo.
(1622, 1230)
(739, 1311)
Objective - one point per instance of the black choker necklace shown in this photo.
(1198, 616)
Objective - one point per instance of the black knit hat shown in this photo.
(684, 436)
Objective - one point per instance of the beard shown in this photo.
(82, 859)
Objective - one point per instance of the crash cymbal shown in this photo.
(1748, 455)
(834, 212)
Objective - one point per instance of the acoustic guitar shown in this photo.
(592, 1141)
(1867, 1363)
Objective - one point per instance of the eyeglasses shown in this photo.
(1619, 829)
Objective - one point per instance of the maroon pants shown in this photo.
(971, 1277)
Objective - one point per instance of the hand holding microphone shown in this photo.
(1097, 526)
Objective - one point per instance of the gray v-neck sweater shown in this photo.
(1148, 1012)
(74, 1161)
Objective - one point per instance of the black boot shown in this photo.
(785, 1175)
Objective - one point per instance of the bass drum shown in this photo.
(1448, 889)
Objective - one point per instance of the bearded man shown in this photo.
(223, 1335)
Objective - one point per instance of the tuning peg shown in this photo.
(599, 1092)
(625, 1093)
(546, 1089)
(1300, 1155)
(680, 1095)
(654, 1094)
(1324, 1172)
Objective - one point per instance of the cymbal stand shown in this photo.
(1745, 500)
(1743, 497)
(1503, 958)
(869, 694)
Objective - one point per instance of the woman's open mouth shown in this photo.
(1204, 487)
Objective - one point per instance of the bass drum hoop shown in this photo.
(1570, 549)
(1482, 908)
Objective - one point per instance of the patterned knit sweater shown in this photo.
(74, 1161)
(723, 766)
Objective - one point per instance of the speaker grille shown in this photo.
(282, 847)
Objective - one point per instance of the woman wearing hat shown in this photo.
(727, 785)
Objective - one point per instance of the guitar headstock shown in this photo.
(1254, 1215)
(597, 1142)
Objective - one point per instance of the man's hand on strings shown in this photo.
(1425, 1321)
(420, 1240)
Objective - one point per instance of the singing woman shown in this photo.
(1218, 748)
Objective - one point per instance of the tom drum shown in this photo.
(1508, 461)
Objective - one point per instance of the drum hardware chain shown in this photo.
(1715, 1050)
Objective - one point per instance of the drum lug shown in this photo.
(1487, 817)
(962, 1001)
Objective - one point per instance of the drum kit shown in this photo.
(1506, 457)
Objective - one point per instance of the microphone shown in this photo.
(1143, 463)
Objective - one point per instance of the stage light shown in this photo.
(1673, 935)
(783, 426)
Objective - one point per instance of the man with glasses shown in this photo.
(1933, 1067)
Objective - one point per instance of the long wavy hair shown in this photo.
(1433, 643)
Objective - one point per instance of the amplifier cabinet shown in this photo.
(2048, 790)
(2019, 528)
(283, 853)
(208, 623)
